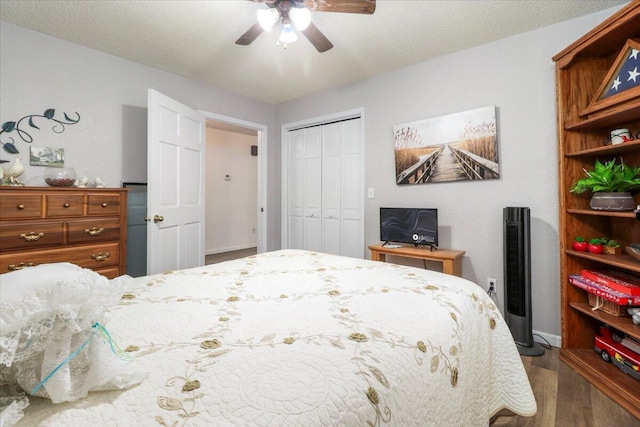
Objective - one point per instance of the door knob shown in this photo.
(147, 219)
(158, 218)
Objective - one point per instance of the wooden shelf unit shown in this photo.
(580, 70)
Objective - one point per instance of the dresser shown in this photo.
(84, 226)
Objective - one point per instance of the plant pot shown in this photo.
(612, 201)
(595, 249)
(610, 250)
(580, 246)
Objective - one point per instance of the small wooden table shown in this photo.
(451, 260)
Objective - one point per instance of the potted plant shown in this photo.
(611, 247)
(610, 183)
(579, 244)
(596, 245)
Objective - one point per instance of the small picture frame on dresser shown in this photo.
(46, 156)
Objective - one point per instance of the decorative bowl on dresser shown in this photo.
(84, 226)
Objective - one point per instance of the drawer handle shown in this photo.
(104, 204)
(31, 237)
(66, 205)
(14, 267)
(102, 256)
(94, 231)
(20, 207)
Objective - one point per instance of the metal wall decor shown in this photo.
(11, 126)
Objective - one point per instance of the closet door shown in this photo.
(331, 187)
(295, 185)
(325, 189)
(313, 189)
(352, 190)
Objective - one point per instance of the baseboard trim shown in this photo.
(554, 340)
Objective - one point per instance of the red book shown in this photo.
(618, 280)
(604, 291)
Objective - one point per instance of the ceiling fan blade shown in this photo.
(251, 34)
(344, 6)
(317, 39)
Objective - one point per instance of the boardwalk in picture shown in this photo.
(447, 168)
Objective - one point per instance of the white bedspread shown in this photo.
(294, 338)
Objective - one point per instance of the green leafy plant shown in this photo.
(612, 244)
(579, 239)
(608, 177)
(598, 241)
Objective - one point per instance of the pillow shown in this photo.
(34, 292)
(48, 342)
(16, 285)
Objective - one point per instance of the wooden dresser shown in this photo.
(84, 226)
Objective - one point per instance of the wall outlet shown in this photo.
(492, 283)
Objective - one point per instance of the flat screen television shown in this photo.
(409, 225)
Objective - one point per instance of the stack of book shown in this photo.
(609, 290)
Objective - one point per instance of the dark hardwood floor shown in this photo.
(228, 256)
(565, 399)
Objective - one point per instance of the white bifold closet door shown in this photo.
(325, 189)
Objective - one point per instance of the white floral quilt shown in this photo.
(295, 338)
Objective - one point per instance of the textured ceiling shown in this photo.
(195, 39)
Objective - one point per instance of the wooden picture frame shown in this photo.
(603, 98)
(455, 147)
(46, 156)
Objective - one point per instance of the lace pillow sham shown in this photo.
(48, 342)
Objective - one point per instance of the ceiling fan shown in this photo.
(297, 13)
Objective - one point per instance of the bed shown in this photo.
(297, 338)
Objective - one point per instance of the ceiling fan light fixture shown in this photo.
(301, 17)
(267, 17)
(287, 34)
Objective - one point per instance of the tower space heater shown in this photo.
(517, 279)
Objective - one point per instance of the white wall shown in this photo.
(231, 205)
(517, 76)
(38, 72)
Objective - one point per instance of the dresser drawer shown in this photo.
(103, 204)
(109, 273)
(64, 205)
(20, 206)
(94, 257)
(31, 235)
(93, 230)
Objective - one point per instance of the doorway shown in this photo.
(260, 157)
(231, 191)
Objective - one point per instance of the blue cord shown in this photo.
(97, 327)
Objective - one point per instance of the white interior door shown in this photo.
(176, 209)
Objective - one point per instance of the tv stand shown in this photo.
(451, 260)
(431, 247)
